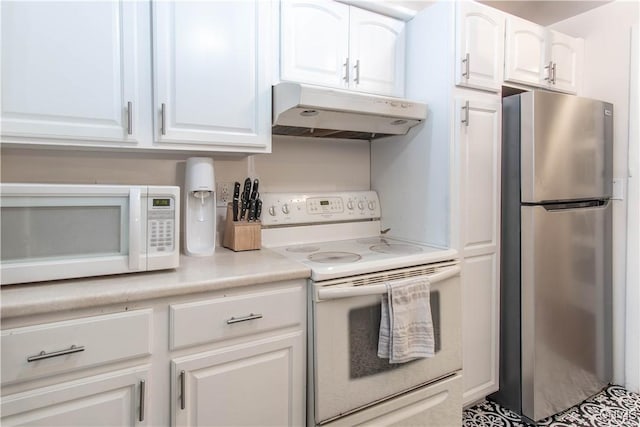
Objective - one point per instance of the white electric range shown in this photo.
(338, 236)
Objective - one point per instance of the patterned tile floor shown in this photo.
(614, 406)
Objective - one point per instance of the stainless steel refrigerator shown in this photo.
(556, 314)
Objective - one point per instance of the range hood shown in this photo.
(305, 110)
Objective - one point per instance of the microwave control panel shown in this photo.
(161, 213)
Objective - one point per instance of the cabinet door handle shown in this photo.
(163, 119)
(183, 398)
(129, 118)
(549, 69)
(465, 63)
(553, 72)
(346, 70)
(251, 316)
(357, 68)
(143, 387)
(44, 355)
(465, 108)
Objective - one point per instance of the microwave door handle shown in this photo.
(134, 229)
(358, 291)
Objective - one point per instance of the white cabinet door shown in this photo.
(259, 383)
(478, 132)
(525, 53)
(315, 42)
(479, 46)
(376, 53)
(114, 399)
(566, 56)
(70, 70)
(212, 88)
(480, 326)
(478, 136)
(540, 57)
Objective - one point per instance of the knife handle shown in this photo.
(235, 210)
(251, 216)
(258, 209)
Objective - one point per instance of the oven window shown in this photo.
(364, 325)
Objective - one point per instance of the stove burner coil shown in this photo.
(334, 257)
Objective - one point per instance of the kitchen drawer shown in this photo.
(103, 339)
(234, 316)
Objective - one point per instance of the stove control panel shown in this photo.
(311, 208)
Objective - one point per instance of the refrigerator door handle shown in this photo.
(576, 205)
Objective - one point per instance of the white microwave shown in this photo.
(63, 231)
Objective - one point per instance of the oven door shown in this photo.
(348, 375)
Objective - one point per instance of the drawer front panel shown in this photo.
(52, 348)
(234, 316)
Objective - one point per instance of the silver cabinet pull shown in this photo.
(163, 119)
(142, 399)
(549, 69)
(553, 72)
(44, 355)
(251, 316)
(465, 62)
(129, 118)
(183, 398)
(465, 108)
(346, 70)
(357, 68)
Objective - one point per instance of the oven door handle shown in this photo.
(359, 291)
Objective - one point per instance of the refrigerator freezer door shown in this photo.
(566, 307)
(566, 147)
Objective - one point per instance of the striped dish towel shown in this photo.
(406, 328)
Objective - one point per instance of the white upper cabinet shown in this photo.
(566, 56)
(211, 83)
(525, 52)
(479, 46)
(70, 70)
(378, 49)
(331, 44)
(314, 42)
(541, 57)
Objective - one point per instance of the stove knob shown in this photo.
(285, 209)
(272, 211)
(350, 205)
(361, 205)
(372, 205)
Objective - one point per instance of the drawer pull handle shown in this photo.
(44, 355)
(251, 316)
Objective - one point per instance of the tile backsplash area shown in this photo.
(295, 164)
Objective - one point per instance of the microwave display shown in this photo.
(161, 203)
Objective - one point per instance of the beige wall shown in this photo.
(295, 164)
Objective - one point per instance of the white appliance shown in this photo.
(338, 236)
(57, 231)
(306, 110)
(199, 207)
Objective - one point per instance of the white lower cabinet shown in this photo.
(251, 370)
(257, 383)
(481, 323)
(113, 399)
(229, 357)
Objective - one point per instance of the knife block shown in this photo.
(241, 235)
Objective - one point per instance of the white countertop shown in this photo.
(223, 270)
